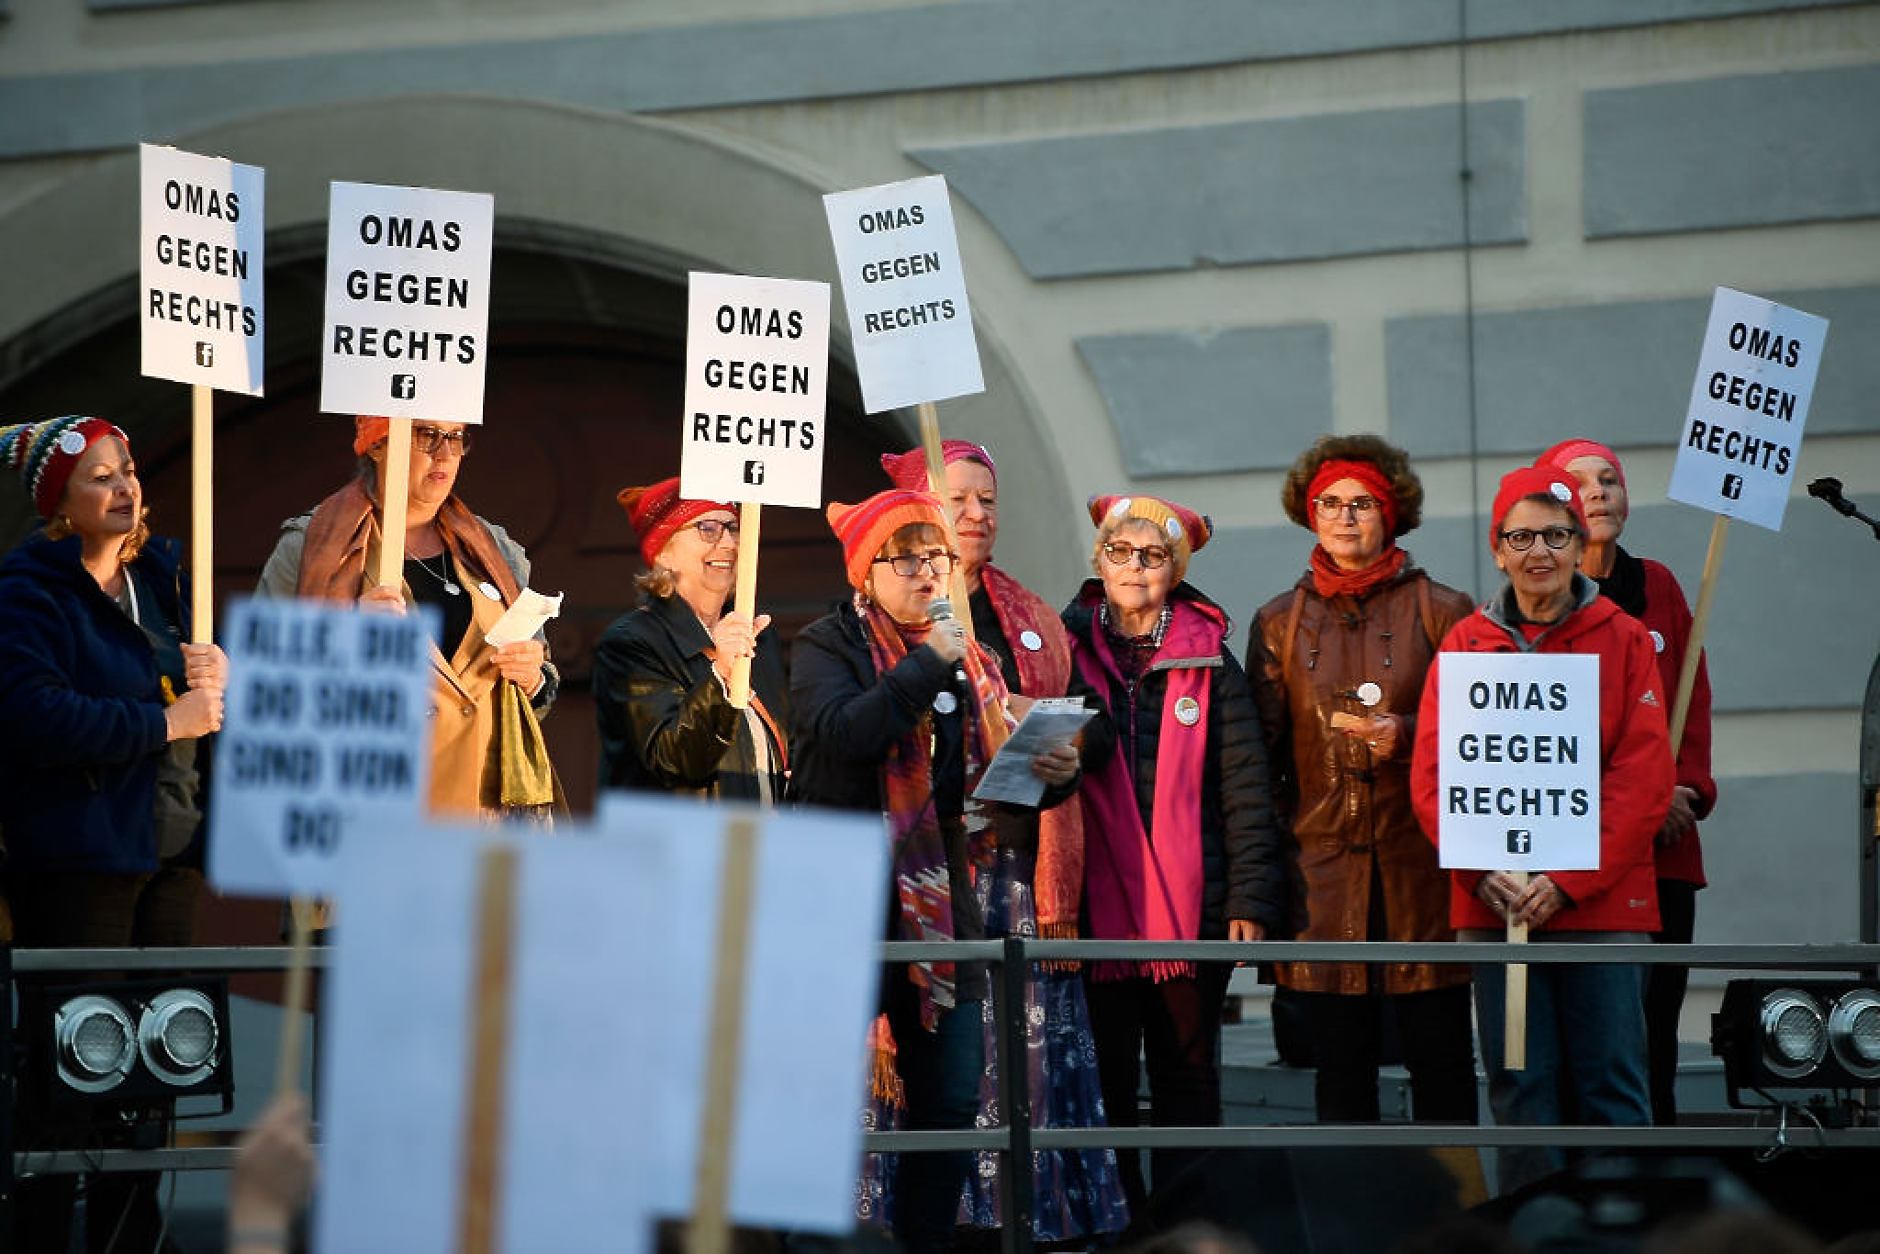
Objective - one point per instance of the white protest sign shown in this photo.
(200, 262)
(1742, 437)
(324, 743)
(592, 935)
(803, 1066)
(906, 293)
(407, 302)
(756, 386)
(1518, 767)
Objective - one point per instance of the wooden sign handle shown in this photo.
(750, 522)
(490, 996)
(1700, 622)
(394, 511)
(957, 590)
(294, 996)
(1514, 1039)
(711, 1226)
(202, 514)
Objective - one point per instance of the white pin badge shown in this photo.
(71, 443)
(1187, 711)
(1658, 643)
(945, 702)
(1031, 640)
(488, 589)
(1369, 693)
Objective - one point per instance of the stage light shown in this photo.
(119, 1044)
(1797, 1034)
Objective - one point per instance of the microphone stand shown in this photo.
(1829, 490)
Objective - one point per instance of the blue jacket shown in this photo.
(81, 711)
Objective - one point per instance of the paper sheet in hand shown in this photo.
(594, 923)
(1049, 723)
(810, 991)
(523, 619)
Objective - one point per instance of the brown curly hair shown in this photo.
(1392, 462)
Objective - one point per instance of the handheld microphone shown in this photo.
(940, 610)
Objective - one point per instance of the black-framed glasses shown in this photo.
(1521, 539)
(712, 530)
(432, 440)
(1331, 507)
(1118, 553)
(907, 565)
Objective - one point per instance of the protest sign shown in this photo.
(819, 880)
(1518, 762)
(1742, 435)
(407, 302)
(566, 1147)
(200, 264)
(756, 387)
(905, 290)
(324, 741)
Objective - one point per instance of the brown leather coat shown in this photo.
(1349, 812)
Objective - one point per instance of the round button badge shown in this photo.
(1187, 711)
(1031, 640)
(1369, 693)
(945, 702)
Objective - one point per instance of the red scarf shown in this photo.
(1148, 885)
(1058, 880)
(921, 884)
(1331, 579)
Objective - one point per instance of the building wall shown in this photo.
(1198, 233)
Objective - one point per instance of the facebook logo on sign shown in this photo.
(1733, 487)
(1520, 840)
(205, 353)
(404, 387)
(753, 472)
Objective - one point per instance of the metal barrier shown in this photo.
(1018, 1138)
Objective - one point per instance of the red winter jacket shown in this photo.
(1668, 618)
(1635, 771)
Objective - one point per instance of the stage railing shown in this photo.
(1018, 1138)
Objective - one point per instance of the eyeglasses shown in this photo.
(432, 440)
(712, 530)
(1521, 539)
(1331, 507)
(1152, 556)
(907, 565)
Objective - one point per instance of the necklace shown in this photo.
(451, 587)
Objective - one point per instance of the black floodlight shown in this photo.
(1797, 1034)
(123, 1042)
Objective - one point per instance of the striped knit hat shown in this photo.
(658, 511)
(909, 470)
(863, 529)
(1186, 530)
(45, 453)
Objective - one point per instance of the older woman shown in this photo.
(1036, 885)
(1585, 1024)
(487, 753)
(1649, 592)
(891, 711)
(101, 708)
(1181, 840)
(662, 672)
(1337, 665)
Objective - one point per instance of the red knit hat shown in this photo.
(1519, 484)
(864, 528)
(658, 511)
(1187, 531)
(45, 453)
(909, 470)
(1568, 450)
(368, 430)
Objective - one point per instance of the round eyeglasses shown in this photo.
(1117, 553)
(1521, 539)
(1331, 507)
(907, 565)
(432, 440)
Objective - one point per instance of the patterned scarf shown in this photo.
(1331, 579)
(1058, 881)
(922, 887)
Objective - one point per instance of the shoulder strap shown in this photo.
(1428, 613)
(1292, 629)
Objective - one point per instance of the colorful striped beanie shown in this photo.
(45, 453)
